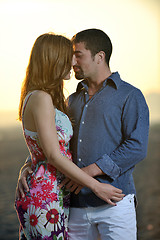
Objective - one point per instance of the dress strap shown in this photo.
(25, 103)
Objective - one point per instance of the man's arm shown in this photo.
(135, 122)
(133, 149)
(22, 179)
(93, 170)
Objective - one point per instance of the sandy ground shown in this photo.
(147, 178)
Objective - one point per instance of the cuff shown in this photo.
(106, 164)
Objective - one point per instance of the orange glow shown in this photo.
(132, 26)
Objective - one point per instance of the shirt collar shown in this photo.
(115, 77)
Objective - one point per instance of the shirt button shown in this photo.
(86, 105)
(83, 122)
(85, 92)
(79, 159)
(80, 140)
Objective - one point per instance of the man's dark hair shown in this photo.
(95, 40)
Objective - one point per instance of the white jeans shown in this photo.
(107, 222)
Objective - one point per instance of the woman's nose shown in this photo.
(74, 61)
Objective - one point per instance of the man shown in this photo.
(111, 122)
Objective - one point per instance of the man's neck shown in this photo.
(97, 82)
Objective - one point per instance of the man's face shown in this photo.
(84, 64)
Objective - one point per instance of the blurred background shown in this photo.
(134, 29)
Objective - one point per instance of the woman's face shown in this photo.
(68, 76)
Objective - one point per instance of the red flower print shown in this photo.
(33, 220)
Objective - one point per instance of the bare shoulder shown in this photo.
(41, 99)
(39, 94)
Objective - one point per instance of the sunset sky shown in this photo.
(133, 26)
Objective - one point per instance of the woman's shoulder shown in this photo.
(41, 100)
(41, 96)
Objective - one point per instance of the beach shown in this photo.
(13, 153)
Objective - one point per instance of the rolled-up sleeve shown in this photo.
(106, 164)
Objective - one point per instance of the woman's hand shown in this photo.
(108, 193)
(22, 181)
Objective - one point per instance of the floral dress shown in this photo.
(43, 213)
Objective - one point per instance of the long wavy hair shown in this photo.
(49, 63)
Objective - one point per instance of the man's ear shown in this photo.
(101, 57)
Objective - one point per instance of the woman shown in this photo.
(43, 211)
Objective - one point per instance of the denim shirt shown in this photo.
(111, 130)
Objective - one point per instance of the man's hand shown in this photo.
(22, 181)
(70, 185)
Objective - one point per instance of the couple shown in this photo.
(106, 125)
